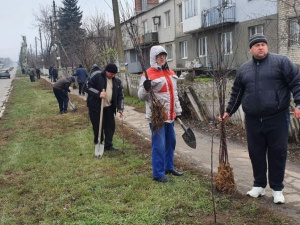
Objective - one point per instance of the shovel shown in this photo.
(99, 148)
(72, 106)
(188, 136)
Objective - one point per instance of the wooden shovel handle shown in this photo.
(182, 125)
(101, 115)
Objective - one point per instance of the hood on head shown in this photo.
(155, 51)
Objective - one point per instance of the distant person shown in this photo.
(54, 74)
(95, 69)
(163, 82)
(32, 74)
(263, 85)
(60, 90)
(38, 73)
(50, 73)
(82, 76)
(113, 102)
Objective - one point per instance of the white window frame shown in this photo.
(180, 13)
(167, 19)
(190, 8)
(226, 45)
(183, 50)
(145, 27)
(294, 32)
(258, 29)
(202, 47)
(169, 49)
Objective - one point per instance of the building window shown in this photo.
(132, 56)
(294, 37)
(225, 3)
(202, 47)
(180, 12)
(169, 51)
(191, 8)
(145, 27)
(183, 49)
(226, 43)
(167, 19)
(259, 29)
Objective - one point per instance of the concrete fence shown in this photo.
(202, 100)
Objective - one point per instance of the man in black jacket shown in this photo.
(113, 102)
(263, 86)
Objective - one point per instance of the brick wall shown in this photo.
(150, 4)
(138, 5)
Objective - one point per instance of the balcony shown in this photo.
(219, 15)
(149, 38)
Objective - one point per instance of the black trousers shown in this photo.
(80, 89)
(267, 145)
(108, 125)
(62, 99)
(32, 78)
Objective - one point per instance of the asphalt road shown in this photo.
(5, 85)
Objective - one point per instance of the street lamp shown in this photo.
(156, 20)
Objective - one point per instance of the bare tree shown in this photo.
(43, 21)
(102, 37)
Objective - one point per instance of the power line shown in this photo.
(108, 5)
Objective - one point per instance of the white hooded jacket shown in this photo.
(164, 86)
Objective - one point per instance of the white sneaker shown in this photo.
(278, 197)
(256, 192)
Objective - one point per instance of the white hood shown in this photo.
(155, 51)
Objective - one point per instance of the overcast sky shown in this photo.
(17, 18)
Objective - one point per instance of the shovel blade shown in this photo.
(189, 138)
(72, 106)
(99, 150)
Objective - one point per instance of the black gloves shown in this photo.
(178, 117)
(147, 85)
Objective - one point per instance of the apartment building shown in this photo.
(289, 29)
(196, 33)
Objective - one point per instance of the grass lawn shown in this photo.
(48, 173)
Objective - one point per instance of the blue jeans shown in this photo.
(163, 147)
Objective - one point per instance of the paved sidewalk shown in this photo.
(238, 158)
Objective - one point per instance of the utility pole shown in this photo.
(52, 39)
(118, 34)
(56, 38)
(41, 42)
(35, 47)
(42, 54)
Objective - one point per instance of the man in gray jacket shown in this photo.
(60, 90)
(263, 86)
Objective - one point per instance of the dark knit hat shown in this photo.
(111, 68)
(256, 38)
